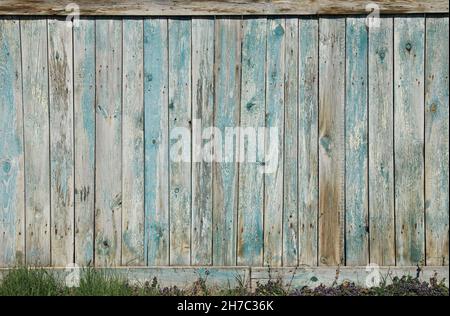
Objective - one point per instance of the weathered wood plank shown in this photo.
(108, 162)
(217, 277)
(60, 69)
(186, 277)
(36, 139)
(273, 150)
(252, 115)
(12, 203)
(223, 7)
(133, 144)
(290, 191)
(84, 129)
(156, 106)
(202, 111)
(232, 277)
(180, 140)
(436, 141)
(409, 138)
(356, 155)
(227, 69)
(308, 155)
(381, 144)
(314, 276)
(331, 140)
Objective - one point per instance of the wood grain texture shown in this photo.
(12, 181)
(436, 141)
(60, 69)
(252, 115)
(133, 143)
(299, 277)
(84, 129)
(381, 144)
(356, 144)
(409, 138)
(361, 174)
(180, 277)
(308, 155)
(156, 137)
(290, 179)
(273, 150)
(215, 7)
(108, 161)
(202, 111)
(227, 69)
(36, 140)
(331, 140)
(180, 121)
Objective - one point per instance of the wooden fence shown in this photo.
(362, 115)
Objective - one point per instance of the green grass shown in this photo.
(99, 283)
(30, 282)
(39, 282)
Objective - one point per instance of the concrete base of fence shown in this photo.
(232, 277)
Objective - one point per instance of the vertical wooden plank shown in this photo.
(156, 242)
(12, 203)
(308, 157)
(61, 141)
(436, 141)
(409, 138)
(252, 115)
(202, 109)
(381, 144)
(36, 139)
(180, 117)
(226, 114)
(290, 214)
(133, 144)
(356, 156)
(273, 180)
(108, 162)
(84, 129)
(331, 140)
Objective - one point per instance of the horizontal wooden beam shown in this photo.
(314, 276)
(232, 277)
(222, 7)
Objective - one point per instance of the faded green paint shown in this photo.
(308, 159)
(290, 194)
(252, 114)
(273, 179)
(108, 161)
(180, 188)
(409, 73)
(227, 69)
(436, 141)
(133, 144)
(11, 147)
(156, 236)
(202, 109)
(356, 154)
(381, 144)
(136, 79)
(84, 129)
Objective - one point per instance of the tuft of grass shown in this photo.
(240, 289)
(100, 283)
(30, 282)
